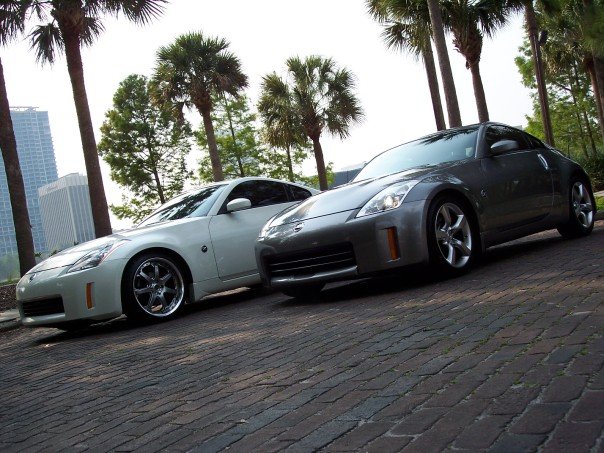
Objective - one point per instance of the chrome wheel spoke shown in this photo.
(463, 247)
(145, 276)
(165, 278)
(451, 255)
(444, 212)
(460, 224)
(145, 290)
(151, 302)
(170, 291)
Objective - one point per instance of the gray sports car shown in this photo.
(439, 200)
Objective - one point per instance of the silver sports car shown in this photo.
(199, 243)
(441, 199)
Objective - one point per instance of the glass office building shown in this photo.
(66, 213)
(38, 166)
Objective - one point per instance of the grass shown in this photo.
(600, 203)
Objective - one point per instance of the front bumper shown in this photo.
(54, 296)
(314, 241)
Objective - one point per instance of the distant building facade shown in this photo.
(38, 166)
(66, 212)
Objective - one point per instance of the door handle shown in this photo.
(543, 161)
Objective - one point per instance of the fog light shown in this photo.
(393, 244)
(89, 300)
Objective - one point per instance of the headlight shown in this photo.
(389, 198)
(265, 229)
(95, 257)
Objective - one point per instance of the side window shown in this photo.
(298, 193)
(497, 133)
(260, 193)
(534, 142)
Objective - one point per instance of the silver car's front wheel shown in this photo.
(153, 287)
(450, 235)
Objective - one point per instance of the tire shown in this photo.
(153, 288)
(304, 292)
(452, 240)
(581, 214)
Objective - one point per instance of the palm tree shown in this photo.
(72, 24)
(189, 72)
(407, 28)
(11, 24)
(279, 115)
(438, 33)
(469, 20)
(321, 96)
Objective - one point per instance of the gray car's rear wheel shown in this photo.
(581, 211)
(451, 241)
(153, 287)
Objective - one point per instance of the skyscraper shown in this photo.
(65, 211)
(38, 166)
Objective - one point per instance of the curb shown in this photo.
(9, 320)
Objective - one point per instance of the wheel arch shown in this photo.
(462, 197)
(180, 261)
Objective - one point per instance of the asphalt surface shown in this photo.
(506, 358)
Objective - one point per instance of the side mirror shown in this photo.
(238, 204)
(503, 146)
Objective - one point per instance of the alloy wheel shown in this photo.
(158, 287)
(453, 235)
(581, 204)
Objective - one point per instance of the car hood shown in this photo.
(351, 196)
(69, 256)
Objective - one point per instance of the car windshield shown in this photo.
(196, 203)
(447, 146)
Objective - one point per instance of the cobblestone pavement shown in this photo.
(506, 358)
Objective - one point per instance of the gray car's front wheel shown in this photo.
(581, 211)
(153, 287)
(451, 241)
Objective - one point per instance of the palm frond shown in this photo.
(92, 27)
(46, 41)
(12, 20)
(137, 11)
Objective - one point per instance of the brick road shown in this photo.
(507, 358)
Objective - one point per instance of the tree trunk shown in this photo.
(481, 100)
(575, 83)
(591, 70)
(228, 112)
(321, 172)
(444, 63)
(437, 106)
(14, 179)
(531, 25)
(290, 167)
(98, 201)
(599, 77)
(212, 147)
(160, 189)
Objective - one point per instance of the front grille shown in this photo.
(309, 262)
(41, 307)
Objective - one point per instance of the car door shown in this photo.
(234, 233)
(518, 182)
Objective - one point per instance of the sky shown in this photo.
(391, 86)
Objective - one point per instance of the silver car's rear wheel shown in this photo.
(153, 287)
(450, 236)
(581, 211)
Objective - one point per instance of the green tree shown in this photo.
(469, 21)
(237, 140)
(407, 28)
(193, 71)
(281, 126)
(322, 99)
(12, 22)
(71, 25)
(145, 148)
(572, 105)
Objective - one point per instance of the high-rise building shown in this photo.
(38, 166)
(66, 213)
